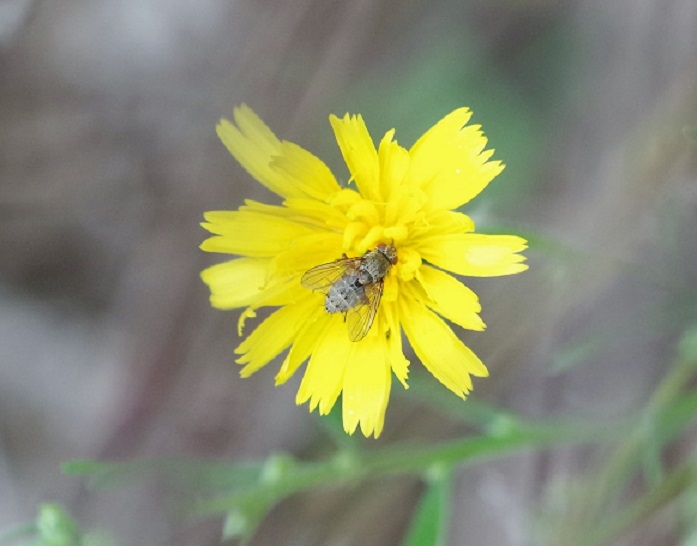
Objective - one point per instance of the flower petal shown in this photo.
(445, 222)
(254, 146)
(476, 254)
(406, 207)
(305, 172)
(236, 283)
(272, 336)
(366, 386)
(307, 252)
(324, 375)
(409, 263)
(359, 153)
(393, 333)
(451, 299)
(250, 233)
(394, 163)
(441, 352)
(303, 345)
(448, 164)
(316, 213)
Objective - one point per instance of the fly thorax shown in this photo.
(374, 267)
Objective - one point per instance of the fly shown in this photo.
(353, 286)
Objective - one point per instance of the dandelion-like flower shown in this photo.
(403, 201)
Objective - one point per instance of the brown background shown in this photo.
(108, 158)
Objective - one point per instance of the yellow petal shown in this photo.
(397, 233)
(250, 205)
(306, 253)
(444, 222)
(450, 298)
(324, 376)
(279, 291)
(345, 198)
(304, 344)
(353, 231)
(409, 263)
(364, 210)
(436, 145)
(406, 206)
(476, 254)
(305, 172)
(359, 153)
(440, 351)
(394, 163)
(448, 163)
(249, 312)
(371, 239)
(251, 233)
(366, 386)
(316, 213)
(254, 146)
(390, 292)
(236, 283)
(272, 336)
(393, 332)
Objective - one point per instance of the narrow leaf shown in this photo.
(429, 524)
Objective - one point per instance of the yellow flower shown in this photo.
(405, 198)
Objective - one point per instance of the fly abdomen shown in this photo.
(344, 294)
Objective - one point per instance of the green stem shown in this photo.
(671, 487)
(622, 466)
(397, 460)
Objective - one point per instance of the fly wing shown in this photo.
(360, 318)
(321, 277)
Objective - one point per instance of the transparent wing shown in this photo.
(360, 318)
(321, 277)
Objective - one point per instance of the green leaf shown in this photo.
(674, 418)
(580, 351)
(429, 524)
(688, 519)
(244, 493)
(196, 475)
(55, 527)
(688, 344)
(241, 524)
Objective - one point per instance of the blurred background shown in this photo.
(108, 159)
